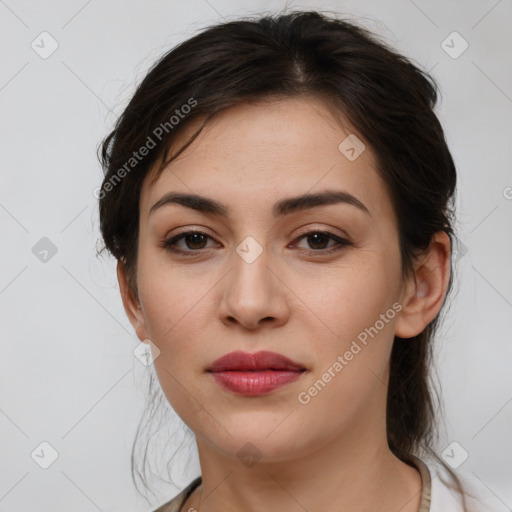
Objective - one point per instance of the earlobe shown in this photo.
(426, 289)
(131, 303)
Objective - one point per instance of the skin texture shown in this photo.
(328, 454)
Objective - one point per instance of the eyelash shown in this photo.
(341, 242)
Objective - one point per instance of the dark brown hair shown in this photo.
(384, 96)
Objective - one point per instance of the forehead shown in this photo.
(268, 150)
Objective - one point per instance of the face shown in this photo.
(319, 284)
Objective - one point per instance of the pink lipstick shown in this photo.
(254, 374)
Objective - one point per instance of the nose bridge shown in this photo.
(252, 292)
(251, 276)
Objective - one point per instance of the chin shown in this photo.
(261, 442)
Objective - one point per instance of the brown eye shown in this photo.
(194, 241)
(318, 240)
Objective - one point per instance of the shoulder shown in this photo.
(175, 504)
(444, 495)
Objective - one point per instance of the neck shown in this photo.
(347, 473)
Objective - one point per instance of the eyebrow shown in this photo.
(282, 207)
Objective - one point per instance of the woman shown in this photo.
(278, 194)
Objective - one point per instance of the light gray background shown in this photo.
(67, 371)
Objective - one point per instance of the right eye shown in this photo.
(194, 240)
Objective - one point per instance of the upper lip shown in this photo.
(263, 360)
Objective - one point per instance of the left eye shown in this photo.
(316, 238)
(196, 240)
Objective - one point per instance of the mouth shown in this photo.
(254, 374)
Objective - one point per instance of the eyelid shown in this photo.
(322, 229)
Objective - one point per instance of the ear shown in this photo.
(426, 289)
(131, 303)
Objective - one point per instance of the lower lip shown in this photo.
(253, 383)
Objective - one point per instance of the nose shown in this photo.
(253, 294)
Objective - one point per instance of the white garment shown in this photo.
(444, 499)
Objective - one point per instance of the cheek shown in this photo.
(355, 299)
(173, 298)
(357, 312)
(173, 311)
(351, 371)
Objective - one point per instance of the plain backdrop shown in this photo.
(68, 375)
